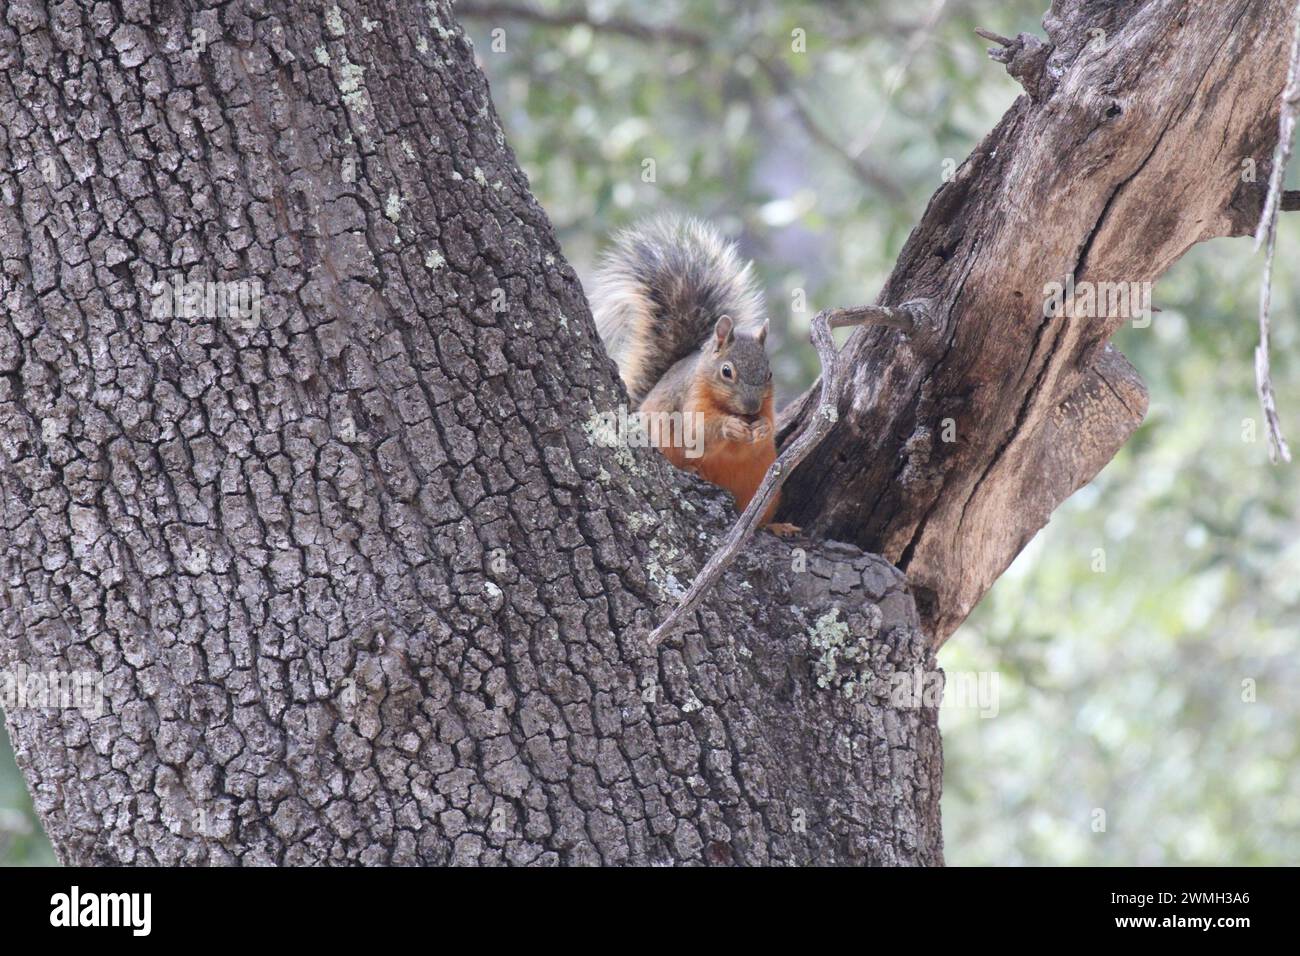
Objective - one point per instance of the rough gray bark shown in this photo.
(361, 584)
(1128, 151)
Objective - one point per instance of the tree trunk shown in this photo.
(360, 582)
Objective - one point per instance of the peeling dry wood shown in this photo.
(360, 584)
(1129, 152)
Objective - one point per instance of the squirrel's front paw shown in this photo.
(761, 430)
(734, 429)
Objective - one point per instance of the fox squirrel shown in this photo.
(680, 314)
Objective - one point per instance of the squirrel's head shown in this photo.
(736, 367)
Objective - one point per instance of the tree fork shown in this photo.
(361, 587)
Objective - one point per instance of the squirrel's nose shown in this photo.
(752, 405)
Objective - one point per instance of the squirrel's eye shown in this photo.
(727, 371)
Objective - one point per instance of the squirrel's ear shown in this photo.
(762, 332)
(724, 332)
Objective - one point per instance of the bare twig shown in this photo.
(992, 37)
(911, 317)
(1266, 235)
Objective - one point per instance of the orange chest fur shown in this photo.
(737, 466)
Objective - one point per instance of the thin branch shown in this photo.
(775, 71)
(1266, 235)
(864, 171)
(912, 317)
(858, 148)
(579, 16)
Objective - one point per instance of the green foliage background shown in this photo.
(1120, 691)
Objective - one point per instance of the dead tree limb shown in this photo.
(1132, 153)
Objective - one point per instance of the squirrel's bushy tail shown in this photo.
(659, 291)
